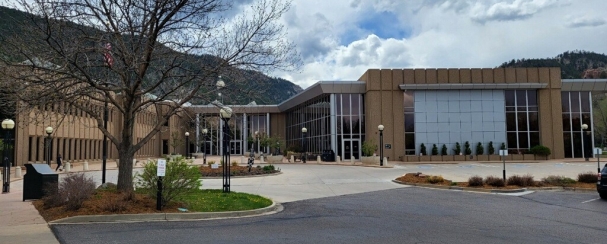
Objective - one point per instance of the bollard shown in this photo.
(352, 159)
(261, 158)
(241, 159)
(117, 163)
(18, 173)
(318, 159)
(85, 166)
(292, 159)
(67, 166)
(338, 159)
(134, 162)
(385, 161)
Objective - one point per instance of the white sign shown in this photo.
(503, 152)
(598, 151)
(161, 168)
(214, 166)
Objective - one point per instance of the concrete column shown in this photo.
(318, 159)
(337, 159)
(67, 166)
(18, 173)
(197, 133)
(85, 166)
(261, 158)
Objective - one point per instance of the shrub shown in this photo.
(234, 163)
(479, 149)
(475, 181)
(523, 181)
(368, 148)
(71, 192)
(433, 179)
(490, 148)
(494, 181)
(422, 149)
(116, 204)
(443, 150)
(540, 150)
(181, 178)
(458, 149)
(558, 180)
(210, 162)
(467, 150)
(587, 177)
(268, 168)
(503, 146)
(434, 149)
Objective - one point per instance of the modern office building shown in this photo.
(519, 107)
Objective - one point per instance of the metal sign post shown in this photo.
(597, 153)
(160, 172)
(504, 153)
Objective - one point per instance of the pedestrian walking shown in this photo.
(59, 163)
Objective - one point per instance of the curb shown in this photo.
(497, 190)
(117, 218)
(241, 176)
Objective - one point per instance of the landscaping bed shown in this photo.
(207, 171)
(418, 178)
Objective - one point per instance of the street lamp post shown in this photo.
(187, 145)
(220, 84)
(204, 146)
(49, 131)
(586, 141)
(225, 115)
(304, 131)
(381, 143)
(7, 125)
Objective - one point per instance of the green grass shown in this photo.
(216, 201)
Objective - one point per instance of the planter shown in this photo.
(528, 157)
(424, 158)
(447, 158)
(482, 157)
(470, 157)
(411, 158)
(516, 156)
(495, 158)
(372, 160)
(274, 159)
(459, 158)
(436, 158)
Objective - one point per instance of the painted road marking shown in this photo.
(591, 200)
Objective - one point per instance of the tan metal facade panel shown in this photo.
(454, 76)
(533, 75)
(420, 76)
(465, 76)
(387, 119)
(386, 79)
(477, 75)
(510, 75)
(373, 83)
(555, 77)
(557, 123)
(442, 76)
(409, 76)
(399, 124)
(397, 78)
(498, 75)
(431, 76)
(521, 75)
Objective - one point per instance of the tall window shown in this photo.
(409, 104)
(522, 126)
(315, 115)
(576, 111)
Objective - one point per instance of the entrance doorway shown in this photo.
(350, 148)
(236, 147)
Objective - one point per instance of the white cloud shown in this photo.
(508, 11)
(585, 21)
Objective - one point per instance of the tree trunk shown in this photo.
(126, 152)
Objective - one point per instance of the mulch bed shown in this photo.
(106, 202)
(207, 171)
(423, 179)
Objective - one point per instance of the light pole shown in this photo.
(225, 115)
(381, 143)
(586, 142)
(304, 131)
(7, 125)
(187, 145)
(204, 146)
(220, 84)
(104, 143)
(49, 131)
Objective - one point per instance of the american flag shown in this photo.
(107, 55)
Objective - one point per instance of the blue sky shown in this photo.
(340, 39)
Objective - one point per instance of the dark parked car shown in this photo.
(601, 184)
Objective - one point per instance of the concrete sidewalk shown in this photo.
(21, 222)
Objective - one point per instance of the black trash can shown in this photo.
(37, 176)
(328, 156)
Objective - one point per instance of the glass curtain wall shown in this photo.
(409, 105)
(211, 123)
(350, 120)
(257, 122)
(576, 111)
(315, 115)
(522, 126)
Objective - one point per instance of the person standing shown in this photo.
(59, 162)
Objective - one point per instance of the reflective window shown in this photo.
(576, 111)
(522, 125)
(315, 115)
(409, 113)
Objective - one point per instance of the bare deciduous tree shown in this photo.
(137, 55)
